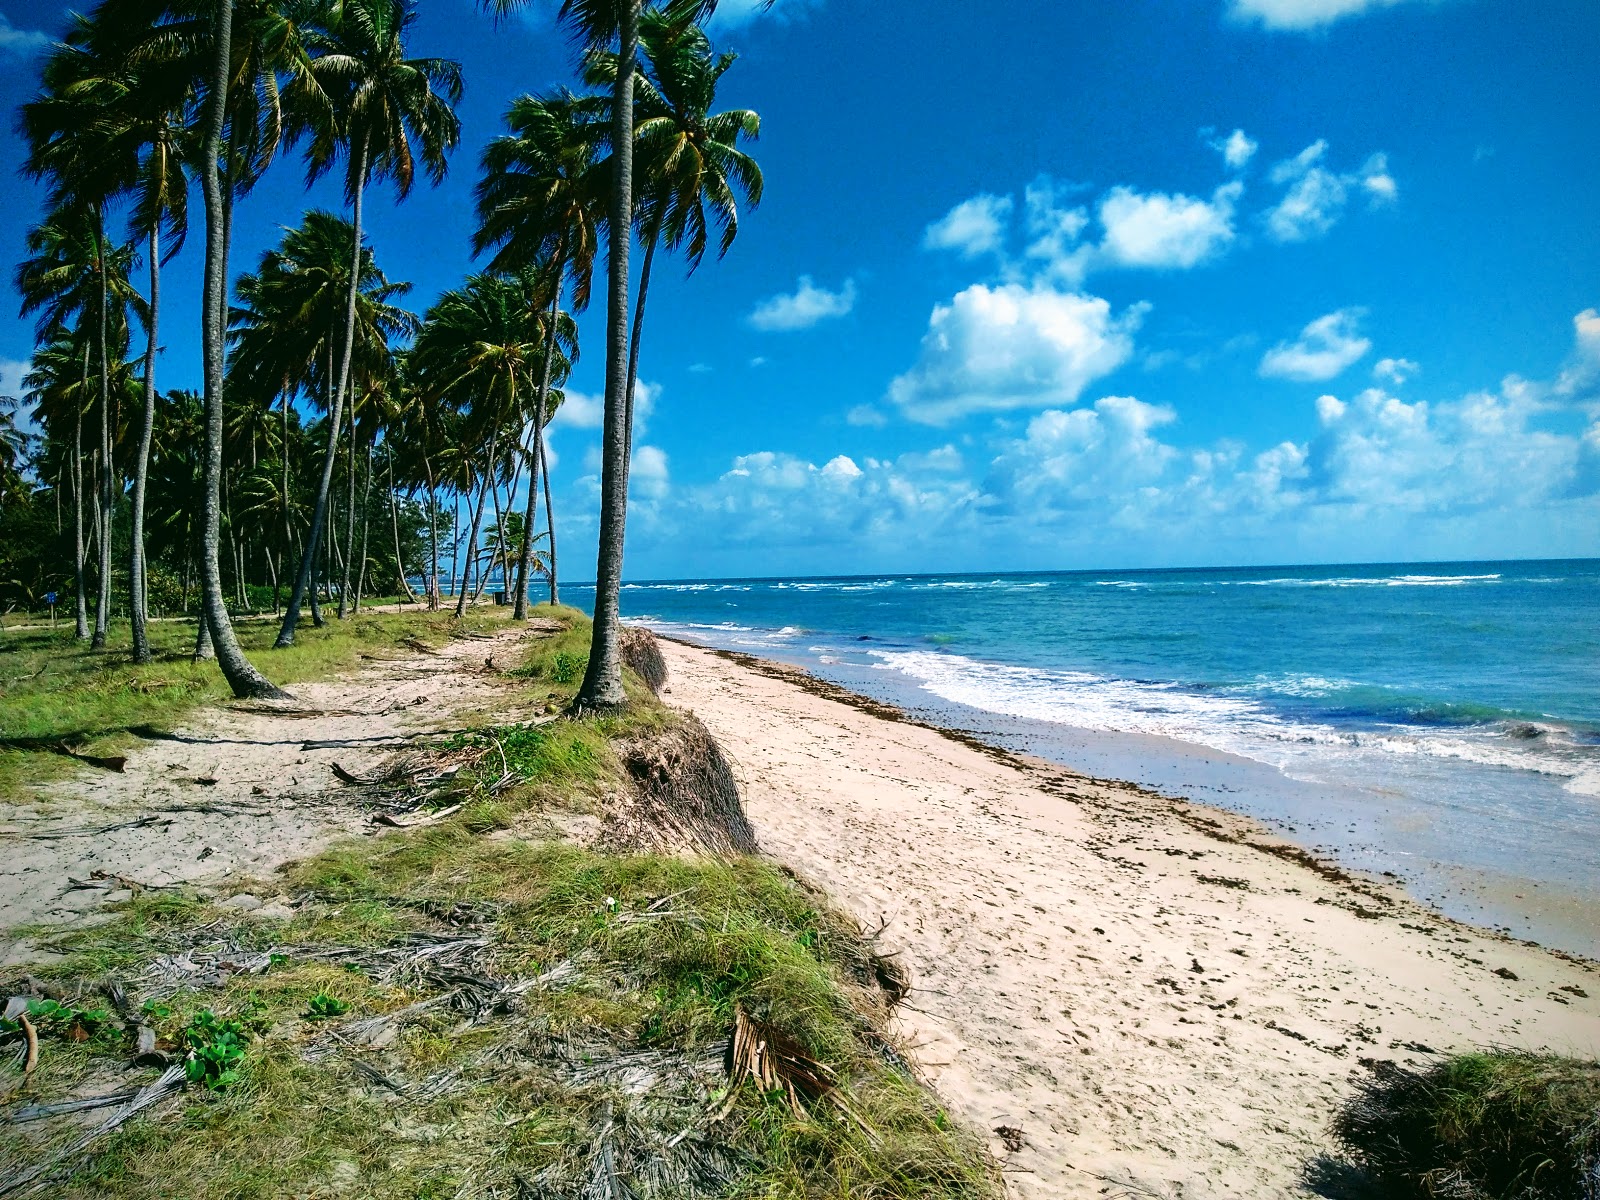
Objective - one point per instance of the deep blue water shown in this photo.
(1458, 702)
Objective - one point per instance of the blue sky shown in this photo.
(1165, 282)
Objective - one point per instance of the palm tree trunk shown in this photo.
(394, 526)
(141, 462)
(433, 536)
(103, 606)
(477, 517)
(291, 614)
(550, 525)
(602, 681)
(525, 564)
(638, 319)
(82, 601)
(243, 678)
(348, 558)
(366, 521)
(455, 542)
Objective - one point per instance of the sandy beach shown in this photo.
(1151, 997)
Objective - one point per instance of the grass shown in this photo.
(621, 1058)
(1498, 1125)
(54, 687)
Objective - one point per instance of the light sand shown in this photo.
(1158, 1000)
(237, 791)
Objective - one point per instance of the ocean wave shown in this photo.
(1237, 723)
(1352, 581)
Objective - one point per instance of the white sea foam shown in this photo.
(1227, 721)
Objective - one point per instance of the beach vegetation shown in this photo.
(1492, 1125)
(482, 1008)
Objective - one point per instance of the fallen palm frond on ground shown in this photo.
(447, 1010)
(1500, 1125)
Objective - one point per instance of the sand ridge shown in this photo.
(1163, 998)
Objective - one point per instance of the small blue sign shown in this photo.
(50, 598)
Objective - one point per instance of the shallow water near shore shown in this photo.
(1437, 721)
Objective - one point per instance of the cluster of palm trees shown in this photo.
(318, 385)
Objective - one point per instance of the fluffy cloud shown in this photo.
(806, 306)
(973, 227)
(647, 473)
(1166, 231)
(1394, 370)
(1496, 472)
(1007, 347)
(1316, 197)
(1078, 459)
(1582, 375)
(866, 415)
(1301, 15)
(21, 42)
(1054, 227)
(1237, 149)
(1324, 348)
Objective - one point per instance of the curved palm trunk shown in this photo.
(350, 519)
(103, 606)
(141, 463)
(319, 514)
(433, 536)
(477, 517)
(602, 680)
(638, 322)
(243, 678)
(81, 602)
(525, 564)
(366, 510)
(550, 525)
(394, 527)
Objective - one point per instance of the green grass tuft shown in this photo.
(1498, 1125)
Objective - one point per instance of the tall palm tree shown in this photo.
(58, 386)
(688, 166)
(242, 676)
(289, 326)
(481, 349)
(142, 140)
(379, 103)
(76, 279)
(538, 206)
(598, 25)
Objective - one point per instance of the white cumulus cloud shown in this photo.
(1301, 15)
(734, 14)
(1166, 231)
(806, 306)
(1324, 348)
(1394, 370)
(973, 227)
(1008, 347)
(1237, 149)
(1316, 197)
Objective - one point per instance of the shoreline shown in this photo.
(1158, 993)
(1190, 811)
(1457, 859)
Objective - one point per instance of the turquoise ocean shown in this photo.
(1439, 721)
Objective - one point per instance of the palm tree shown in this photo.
(538, 205)
(143, 140)
(243, 678)
(75, 279)
(688, 164)
(380, 102)
(290, 322)
(598, 25)
(481, 349)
